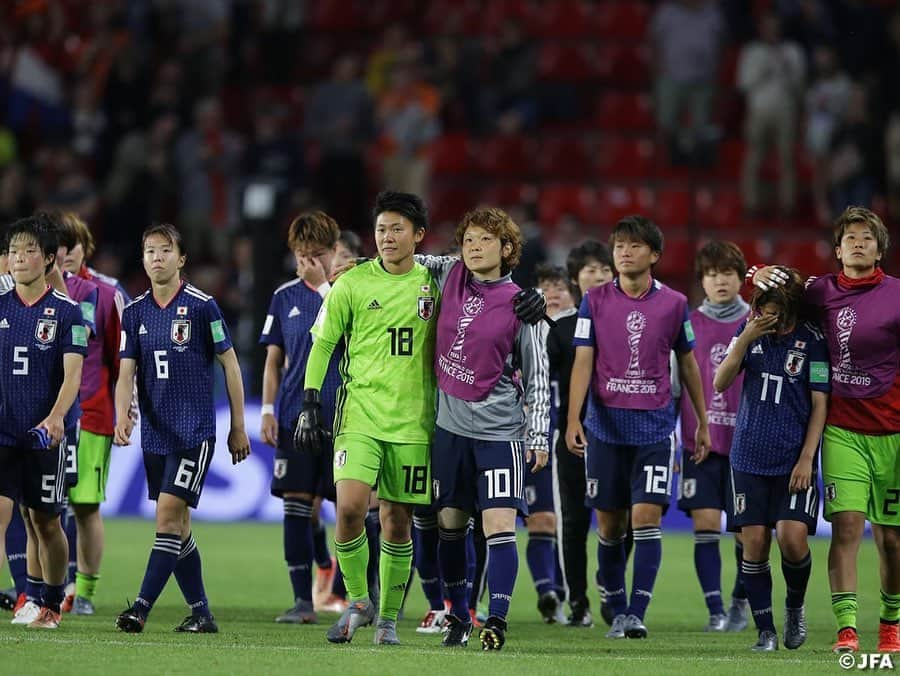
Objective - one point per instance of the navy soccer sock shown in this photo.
(796, 578)
(471, 560)
(34, 589)
(758, 584)
(16, 541)
(321, 555)
(502, 568)
(611, 560)
(53, 596)
(647, 557)
(337, 585)
(453, 559)
(189, 575)
(425, 535)
(160, 566)
(738, 592)
(708, 563)
(541, 561)
(72, 536)
(298, 546)
(373, 533)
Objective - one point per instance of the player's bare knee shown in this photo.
(45, 525)
(396, 522)
(756, 544)
(887, 538)
(450, 518)
(612, 525)
(542, 522)
(646, 516)
(499, 520)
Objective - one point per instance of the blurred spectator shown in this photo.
(854, 156)
(687, 36)
(808, 22)
(203, 36)
(408, 118)
(826, 101)
(274, 152)
(14, 197)
(70, 186)
(889, 62)
(892, 164)
(339, 119)
(771, 72)
(207, 160)
(89, 123)
(349, 246)
(510, 103)
(453, 61)
(382, 60)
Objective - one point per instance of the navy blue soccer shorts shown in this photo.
(539, 488)
(474, 475)
(619, 476)
(180, 473)
(34, 478)
(704, 486)
(758, 500)
(295, 472)
(71, 445)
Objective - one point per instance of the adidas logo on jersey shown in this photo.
(374, 305)
(142, 331)
(294, 312)
(757, 349)
(4, 324)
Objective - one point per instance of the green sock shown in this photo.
(86, 585)
(844, 607)
(890, 607)
(353, 557)
(393, 570)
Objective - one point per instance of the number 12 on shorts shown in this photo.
(656, 479)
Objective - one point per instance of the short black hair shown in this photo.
(404, 203)
(352, 241)
(168, 232)
(546, 272)
(64, 232)
(586, 251)
(39, 228)
(638, 229)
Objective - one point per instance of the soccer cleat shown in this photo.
(847, 641)
(322, 588)
(493, 634)
(456, 633)
(301, 613)
(716, 623)
(481, 614)
(561, 618)
(68, 602)
(888, 638)
(7, 599)
(46, 619)
(198, 624)
(794, 627)
(82, 606)
(130, 622)
(738, 615)
(334, 604)
(473, 615)
(27, 613)
(634, 627)
(547, 605)
(359, 614)
(433, 622)
(617, 628)
(606, 612)
(768, 642)
(20, 601)
(386, 632)
(581, 615)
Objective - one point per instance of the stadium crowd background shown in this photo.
(748, 120)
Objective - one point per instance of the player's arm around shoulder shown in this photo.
(438, 266)
(532, 347)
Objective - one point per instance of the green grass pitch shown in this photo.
(247, 585)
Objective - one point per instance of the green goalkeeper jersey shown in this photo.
(389, 323)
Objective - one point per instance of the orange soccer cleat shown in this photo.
(888, 638)
(46, 619)
(848, 641)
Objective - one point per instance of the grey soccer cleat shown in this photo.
(634, 627)
(716, 623)
(301, 613)
(794, 627)
(386, 632)
(82, 606)
(738, 615)
(358, 614)
(617, 628)
(768, 642)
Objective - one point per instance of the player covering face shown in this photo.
(171, 337)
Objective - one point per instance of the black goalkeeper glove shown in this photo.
(310, 436)
(530, 306)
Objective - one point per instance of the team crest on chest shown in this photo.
(181, 331)
(45, 331)
(426, 307)
(740, 503)
(181, 311)
(794, 362)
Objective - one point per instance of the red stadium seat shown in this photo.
(622, 20)
(619, 111)
(619, 158)
(505, 156)
(450, 155)
(441, 13)
(673, 207)
(731, 159)
(616, 202)
(449, 200)
(508, 194)
(624, 66)
(719, 209)
(810, 256)
(566, 62)
(565, 158)
(677, 261)
(335, 15)
(559, 200)
(563, 19)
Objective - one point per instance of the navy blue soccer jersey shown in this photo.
(33, 340)
(780, 372)
(175, 349)
(292, 312)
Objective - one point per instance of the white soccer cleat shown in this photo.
(27, 613)
(433, 622)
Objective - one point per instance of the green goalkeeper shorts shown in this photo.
(402, 472)
(862, 474)
(93, 469)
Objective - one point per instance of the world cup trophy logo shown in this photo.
(635, 324)
(716, 357)
(845, 321)
(472, 307)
